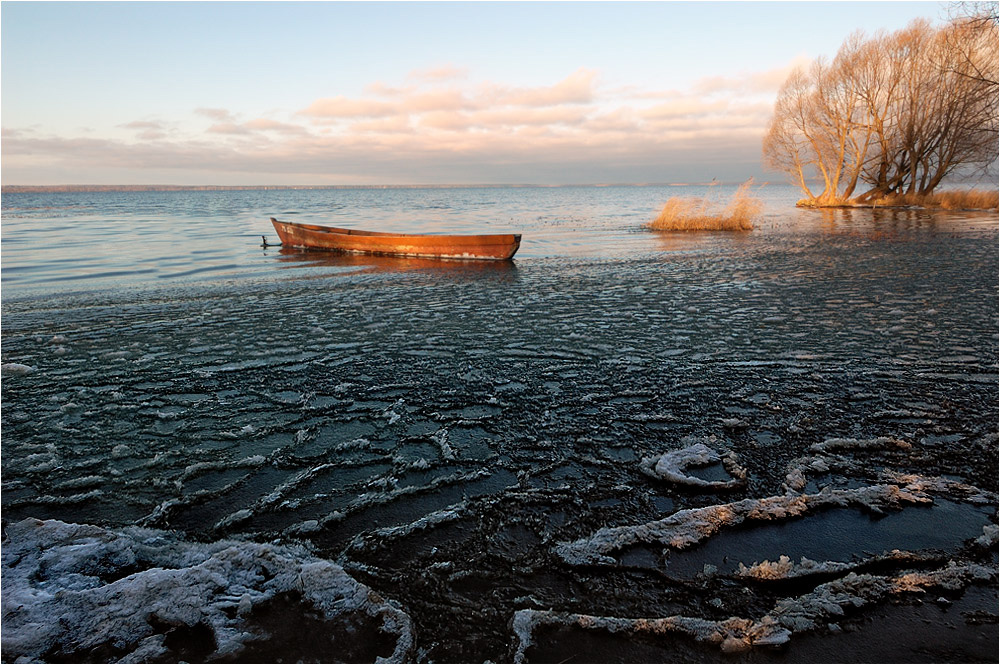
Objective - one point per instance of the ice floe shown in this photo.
(16, 369)
(827, 602)
(671, 467)
(785, 568)
(138, 595)
(687, 527)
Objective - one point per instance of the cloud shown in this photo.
(441, 126)
(686, 106)
(143, 125)
(227, 128)
(439, 73)
(428, 97)
(148, 130)
(342, 107)
(437, 100)
(577, 88)
(221, 115)
(266, 125)
(767, 82)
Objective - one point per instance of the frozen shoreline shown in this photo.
(445, 438)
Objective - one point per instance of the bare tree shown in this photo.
(898, 112)
(787, 146)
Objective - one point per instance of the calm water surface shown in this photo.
(95, 241)
(85, 241)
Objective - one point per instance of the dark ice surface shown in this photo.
(439, 429)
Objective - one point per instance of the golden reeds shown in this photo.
(702, 214)
(973, 199)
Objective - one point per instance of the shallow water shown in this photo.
(63, 241)
(442, 429)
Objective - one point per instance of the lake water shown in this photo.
(74, 241)
(602, 451)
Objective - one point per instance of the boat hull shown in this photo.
(473, 247)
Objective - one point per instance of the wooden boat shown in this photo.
(312, 236)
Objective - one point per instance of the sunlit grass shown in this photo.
(703, 214)
(973, 199)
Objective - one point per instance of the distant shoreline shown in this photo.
(43, 189)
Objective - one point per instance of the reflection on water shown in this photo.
(287, 258)
(107, 240)
(888, 221)
(696, 241)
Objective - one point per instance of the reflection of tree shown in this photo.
(895, 112)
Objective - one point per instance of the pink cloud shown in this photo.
(749, 82)
(515, 117)
(227, 128)
(387, 125)
(265, 125)
(446, 120)
(577, 88)
(689, 106)
(380, 89)
(436, 100)
(221, 115)
(435, 122)
(143, 124)
(444, 73)
(342, 107)
(148, 130)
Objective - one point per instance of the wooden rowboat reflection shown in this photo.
(342, 263)
(479, 247)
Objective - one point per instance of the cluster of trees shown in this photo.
(892, 114)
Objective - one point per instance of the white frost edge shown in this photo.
(789, 616)
(52, 570)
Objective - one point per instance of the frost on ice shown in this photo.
(672, 467)
(16, 369)
(788, 617)
(853, 587)
(691, 526)
(78, 592)
(687, 527)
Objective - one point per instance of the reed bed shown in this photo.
(973, 199)
(702, 214)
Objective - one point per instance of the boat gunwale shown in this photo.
(498, 238)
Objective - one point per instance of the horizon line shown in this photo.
(153, 187)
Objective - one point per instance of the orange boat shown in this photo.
(311, 236)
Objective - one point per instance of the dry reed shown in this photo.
(973, 199)
(702, 214)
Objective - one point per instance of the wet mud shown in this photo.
(768, 448)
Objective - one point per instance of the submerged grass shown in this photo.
(702, 214)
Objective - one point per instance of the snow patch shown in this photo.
(883, 442)
(16, 369)
(784, 568)
(70, 590)
(671, 467)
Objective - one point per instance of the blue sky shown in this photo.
(403, 93)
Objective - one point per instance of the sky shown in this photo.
(369, 93)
